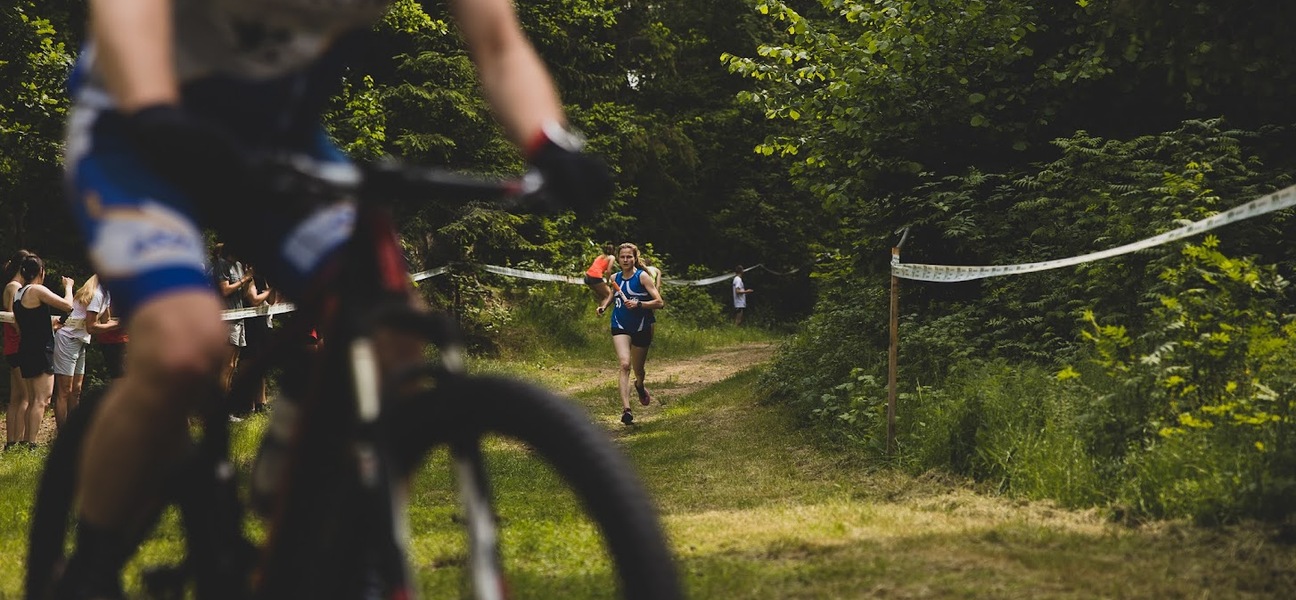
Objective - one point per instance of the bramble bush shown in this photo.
(1213, 379)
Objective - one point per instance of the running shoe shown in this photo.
(627, 417)
(644, 397)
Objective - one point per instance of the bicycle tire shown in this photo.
(52, 515)
(563, 436)
(52, 505)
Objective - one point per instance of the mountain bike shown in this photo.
(338, 524)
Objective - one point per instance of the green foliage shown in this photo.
(34, 62)
(854, 411)
(1211, 391)
(840, 343)
(1012, 426)
(1099, 193)
(694, 306)
(1179, 399)
(640, 80)
(554, 311)
(358, 121)
(885, 89)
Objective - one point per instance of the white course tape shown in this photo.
(532, 274)
(421, 275)
(1279, 200)
(772, 271)
(709, 280)
(285, 307)
(278, 308)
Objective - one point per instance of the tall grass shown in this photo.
(1011, 426)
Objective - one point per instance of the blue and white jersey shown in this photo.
(265, 71)
(259, 63)
(631, 319)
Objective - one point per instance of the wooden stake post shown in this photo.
(893, 352)
(892, 355)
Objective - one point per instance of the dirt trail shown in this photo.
(46, 433)
(680, 377)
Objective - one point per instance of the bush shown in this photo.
(1210, 391)
(554, 311)
(837, 345)
(693, 305)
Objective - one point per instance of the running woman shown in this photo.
(636, 297)
(597, 273)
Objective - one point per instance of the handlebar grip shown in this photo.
(389, 180)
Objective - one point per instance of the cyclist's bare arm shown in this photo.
(515, 81)
(133, 45)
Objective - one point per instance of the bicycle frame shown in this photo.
(341, 429)
(337, 519)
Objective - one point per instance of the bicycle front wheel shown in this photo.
(544, 461)
(51, 519)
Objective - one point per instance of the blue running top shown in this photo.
(631, 319)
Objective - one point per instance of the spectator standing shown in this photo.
(31, 308)
(740, 291)
(109, 334)
(15, 413)
(70, 344)
(256, 330)
(231, 281)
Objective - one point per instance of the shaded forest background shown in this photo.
(807, 134)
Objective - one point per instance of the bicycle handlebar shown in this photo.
(392, 180)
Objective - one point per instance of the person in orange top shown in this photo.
(597, 273)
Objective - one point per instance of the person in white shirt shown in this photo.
(70, 344)
(740, 292)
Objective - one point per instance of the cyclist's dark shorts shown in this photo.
(591, 280)
(143, 234)
(638, 339)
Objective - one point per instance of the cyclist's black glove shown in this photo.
(197, 156)
(572, 178)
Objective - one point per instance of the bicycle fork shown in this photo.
(484, 563)
(483, 532)
(384, 495)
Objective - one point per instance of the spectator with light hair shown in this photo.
(70, 349)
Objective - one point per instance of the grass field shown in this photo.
(755, 510)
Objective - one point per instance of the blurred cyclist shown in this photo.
(171, 99)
